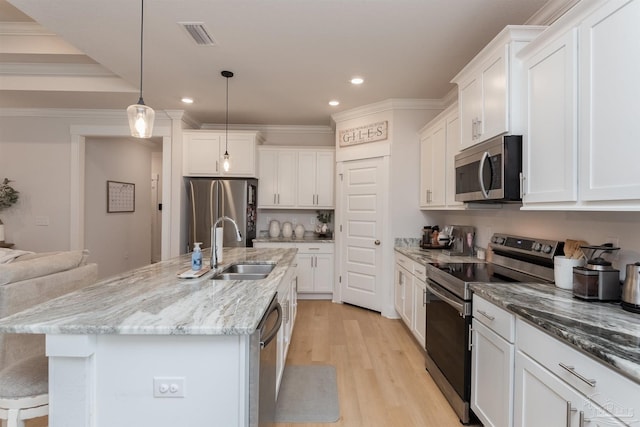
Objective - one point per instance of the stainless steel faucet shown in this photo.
(214, 255)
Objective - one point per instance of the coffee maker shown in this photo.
(597, 280)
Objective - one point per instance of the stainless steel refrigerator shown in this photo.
(211, 198)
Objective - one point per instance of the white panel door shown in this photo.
(325, 171)
(494, 97)
(307, 173)
(362, 205)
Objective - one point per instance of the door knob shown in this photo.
(377, 242)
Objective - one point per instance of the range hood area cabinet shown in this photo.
(580, 90)
(439, 143)
(296, 178)
(489, 90)
(203, 153)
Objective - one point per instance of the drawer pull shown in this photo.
(487, 315)
(569, 411)
(573, 372)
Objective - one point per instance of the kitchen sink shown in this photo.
(241, 271)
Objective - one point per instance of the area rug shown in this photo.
(308, 394)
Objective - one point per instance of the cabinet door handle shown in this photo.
(581, 420)
(278, 198)
(424, 297)
(478, 128)
(521, 185)
(569, 413)
(274, 198)
(573, 372)
(216, 166)
(487, 315)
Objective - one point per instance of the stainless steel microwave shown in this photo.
(490, 171)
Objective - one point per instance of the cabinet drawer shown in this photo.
(608, 388)
(420, 271)
(317, 248)
(404, 261)
(495, 318)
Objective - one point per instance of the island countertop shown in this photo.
(153, 300)
(602, 330)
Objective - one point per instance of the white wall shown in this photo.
(593, 227)
(34, 152)
(121, 241)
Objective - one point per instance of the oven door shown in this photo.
(447, 344)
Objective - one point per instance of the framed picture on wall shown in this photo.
(121, 196)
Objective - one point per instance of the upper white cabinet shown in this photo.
(296, 177)
(277, 178)
(580, 88)
(488, 93)
(315, 178)
(609, 59)
(439, 143)
(203, 153)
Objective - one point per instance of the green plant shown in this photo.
(324, 216)
(8, 195)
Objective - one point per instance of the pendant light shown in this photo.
(141, 116)
(226, 164)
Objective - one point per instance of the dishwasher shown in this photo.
(263, 366)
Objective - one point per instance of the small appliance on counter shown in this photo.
(631, 289)
(597, 280)
(460, 239)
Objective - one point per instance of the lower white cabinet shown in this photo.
(548, 370)
(287, 297)
(492, 361)
(410, 295)
(315, 267)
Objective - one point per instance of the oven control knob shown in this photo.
(501, 240)
(494, 239)
(546, 249)
(537, 247)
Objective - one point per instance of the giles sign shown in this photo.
(366, 133)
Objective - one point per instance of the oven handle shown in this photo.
(431, 286)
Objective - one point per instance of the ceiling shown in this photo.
(290, 57)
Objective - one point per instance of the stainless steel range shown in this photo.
(448, 354)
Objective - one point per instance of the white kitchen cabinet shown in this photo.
(288, 302)
(488, 93)
(315, 270)
(609, 59)
(277, 174)
(419, 322)
(316, 179)
(203, 153)
(439, 143)
(410, 295)
(580, 89)
(550, 158)
(555, 382)
(315, 263)
(492, 363)
(296, 178)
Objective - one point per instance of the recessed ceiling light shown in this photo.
(357, 80)
(334, 103)
(187, 100)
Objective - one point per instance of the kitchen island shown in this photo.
(111, 344)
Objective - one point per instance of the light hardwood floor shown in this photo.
(380, 367)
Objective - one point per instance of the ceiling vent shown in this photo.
(198, 33)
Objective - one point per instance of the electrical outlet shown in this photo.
(168, 387)
(42, 220)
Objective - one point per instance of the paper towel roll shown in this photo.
(218, 245)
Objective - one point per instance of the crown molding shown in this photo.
(389, 105)
(551, 11)
(272, 128)
(76, 113)
(60, 69)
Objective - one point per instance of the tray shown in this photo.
(190, 274)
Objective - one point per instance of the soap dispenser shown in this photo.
(196, 257)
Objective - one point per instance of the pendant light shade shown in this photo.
(226, 163)
(141, 116)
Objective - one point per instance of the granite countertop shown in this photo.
(602, 330)
(428, 256)
(306, 239)
(152, 300)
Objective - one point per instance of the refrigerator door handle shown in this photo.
(193, 211)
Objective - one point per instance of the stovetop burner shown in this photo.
(515, 259)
